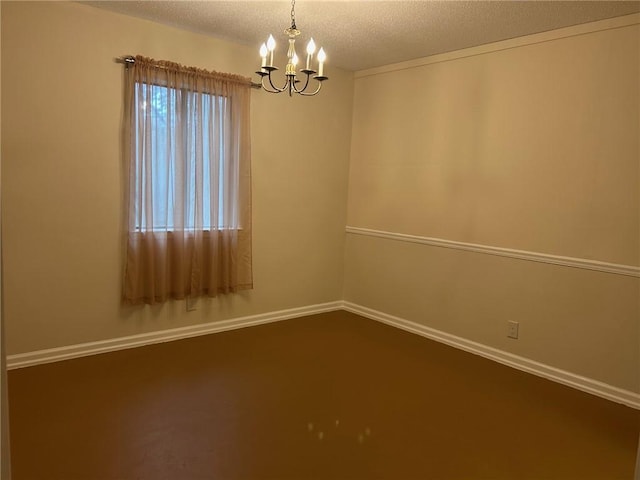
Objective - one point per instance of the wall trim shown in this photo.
(533, 39)
(615, 268)
(50, 355)
(594, 387)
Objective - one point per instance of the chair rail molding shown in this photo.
(606, 267)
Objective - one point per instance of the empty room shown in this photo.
(332, 240)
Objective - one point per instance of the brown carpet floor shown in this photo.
(331, 396)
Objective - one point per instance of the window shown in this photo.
(155, 103)
(187, 150)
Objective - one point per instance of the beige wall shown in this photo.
(533, 146)
(62, 189)
(525, 145)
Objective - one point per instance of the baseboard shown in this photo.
(637, 474)
(29, 359)
(579, 382)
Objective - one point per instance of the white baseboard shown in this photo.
(50, 355)
(637, 475)
(579, 382)
(585, 384)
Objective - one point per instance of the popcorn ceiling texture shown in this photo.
(358, 35)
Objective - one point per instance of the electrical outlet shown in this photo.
(192, 304)
(512, 329)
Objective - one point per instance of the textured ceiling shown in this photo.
(364, 34)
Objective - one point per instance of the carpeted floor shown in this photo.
(331, 396)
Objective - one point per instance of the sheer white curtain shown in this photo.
(187, 149)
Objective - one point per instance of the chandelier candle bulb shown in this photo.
(311, 48)
(271, 46)
(291, 67)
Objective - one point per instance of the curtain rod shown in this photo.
(129, 60)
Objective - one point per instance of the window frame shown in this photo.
(184, 93)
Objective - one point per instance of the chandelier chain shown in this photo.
(293, 14)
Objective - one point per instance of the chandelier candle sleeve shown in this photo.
(321, 58)
(263, 54)
(271, 46)
(311, 48)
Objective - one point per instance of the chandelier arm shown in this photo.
(305, 94)
(270, 91)
(306, 84)
(277, 90)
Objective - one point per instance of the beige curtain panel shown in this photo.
(187, 151)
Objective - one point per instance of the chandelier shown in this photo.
(292, 82)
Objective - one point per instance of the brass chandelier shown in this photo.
(292, 82)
